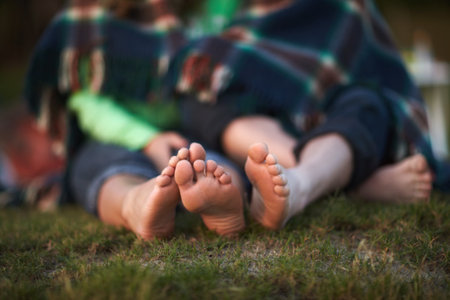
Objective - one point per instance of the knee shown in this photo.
(241, 133)
(235, 135)
(237, 129)
(249, 123)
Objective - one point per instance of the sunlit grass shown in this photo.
(336, 249)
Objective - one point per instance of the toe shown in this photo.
(196, 152)
(200, 168)
(225, 178)
(271, 159)
(168, 171)
(211, 167)
(173, 161)
(163, 180)
(419, 163)
(184, 174)
(258, 152)
(274, 169)
(279, 179)
(424, 186)
(183, 153)
(219, 171)
(281, 190)
(426, 177)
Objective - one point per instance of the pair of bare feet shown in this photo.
(202, 186)
(278, 193)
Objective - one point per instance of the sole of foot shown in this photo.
(150, 208)
(206, 189)
(408, 181)
(270, 198)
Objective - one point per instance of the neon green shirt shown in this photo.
(131, 124)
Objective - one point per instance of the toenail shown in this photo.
(183, 153)
(271, 159)
(199, 165)
(173, 160)
(274, 169)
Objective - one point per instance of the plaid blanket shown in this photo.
(294, 60)
(289, 57)
(89, 48)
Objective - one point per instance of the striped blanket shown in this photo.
(288, 56)
(294, 59)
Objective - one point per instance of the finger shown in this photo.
(177, 141)
(162, 161)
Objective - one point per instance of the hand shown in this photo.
(160, 148)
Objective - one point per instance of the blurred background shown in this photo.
(421, 29)
(23, 21)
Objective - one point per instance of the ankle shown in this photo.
(301, 192)
(128, 207)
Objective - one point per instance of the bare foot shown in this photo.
(207, 189)
(409, 181)
(265, 7)
(149, 209)
(273, 201)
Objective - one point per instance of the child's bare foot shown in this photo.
(149, 209)
(265, 7)
(207, 189)
(276, 192)
(409, 181)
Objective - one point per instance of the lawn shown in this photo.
(336, 249)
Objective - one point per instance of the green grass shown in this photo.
(336, 249)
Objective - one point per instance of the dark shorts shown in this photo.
(362, 118)
(358, 114)
(96, 162)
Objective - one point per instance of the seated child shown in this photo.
(107, 74)
(322, 83)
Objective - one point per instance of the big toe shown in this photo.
(184, 174)
(258, 152)
(419, 163)
(196, 152)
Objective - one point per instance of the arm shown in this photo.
(102, 119)
(105, 121)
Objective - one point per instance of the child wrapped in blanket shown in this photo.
(322, 85)
(107, 74)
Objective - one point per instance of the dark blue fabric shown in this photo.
(293, 59)
(358, 115)
(96, 162)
